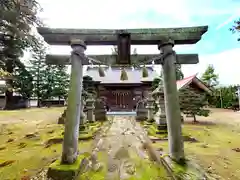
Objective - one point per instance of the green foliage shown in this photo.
(209, 77)
(224, 97)
(179, 73)
(156, 82)
(61, 81)
(236, 27)
(17, 20)
(23, 82)
(37, 68)
(56, 82)
(193, 103)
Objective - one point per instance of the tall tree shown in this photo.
(209, 77)
(23, 82)
(17, 20)
(61, 82)
(37, 69)
(193, 103)
(48, 85)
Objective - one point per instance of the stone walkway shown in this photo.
(125, 157)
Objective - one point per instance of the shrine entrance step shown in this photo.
(121, 113)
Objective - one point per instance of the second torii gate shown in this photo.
(165, 38)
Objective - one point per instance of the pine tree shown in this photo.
(48, 84)
(209, 77)
(60, 83)
(37, 68)
(192, 103)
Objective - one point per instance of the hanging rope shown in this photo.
(144, 72)
(124, 75)
(101, 71)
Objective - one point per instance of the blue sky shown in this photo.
(218, 46)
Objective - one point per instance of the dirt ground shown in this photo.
(217, 147)
(222, 116)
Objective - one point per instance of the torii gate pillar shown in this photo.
(70, 142)
(173, 113)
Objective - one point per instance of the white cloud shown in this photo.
(226, 64)
(234, 16)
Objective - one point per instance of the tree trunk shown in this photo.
(9, 103)
(194, 118)
(38, 102)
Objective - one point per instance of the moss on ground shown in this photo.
(152, 130)
(146, 169)
(214, 149)
(30, 155)
(96, 175)
(58, 166)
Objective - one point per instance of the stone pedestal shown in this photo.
(90, 109)
(150, 108)
(173, 113)
(70, 142)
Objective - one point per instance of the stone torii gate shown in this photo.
(165, 38)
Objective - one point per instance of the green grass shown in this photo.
(214, 148)
(29, 160)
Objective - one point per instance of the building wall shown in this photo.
(122, 97)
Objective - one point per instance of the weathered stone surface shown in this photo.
(141, 111)
(150, 108)
(100, 111)
(83, 117)
(173, 114)
(58, 171)
(90, 109)
(65, 59)
(186, 35)
(70, 142)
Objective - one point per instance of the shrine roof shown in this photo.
(113, 74)
(187, 81)
(148, 36)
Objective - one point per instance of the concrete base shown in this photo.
(58, 171)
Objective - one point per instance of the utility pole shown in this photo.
(221, 97)
(238, 92)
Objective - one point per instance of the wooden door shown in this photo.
(121, 100)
